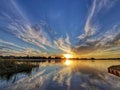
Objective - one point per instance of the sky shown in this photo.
(85, 28)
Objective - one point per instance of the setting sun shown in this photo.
(67, 56)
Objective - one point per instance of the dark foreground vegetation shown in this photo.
(10, 67)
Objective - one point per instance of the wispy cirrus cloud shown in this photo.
(31, 52)
(40, 35)
(63, 44)
(9, 48)
(31, 34)
(91, 25)
(110, 38)
(17, 23)
(6, 43)
(28, 51)
(102, 45)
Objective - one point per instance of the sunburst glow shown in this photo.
(67, 55)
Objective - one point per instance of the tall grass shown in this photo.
(12, 66)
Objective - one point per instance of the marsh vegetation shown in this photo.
(11, 66)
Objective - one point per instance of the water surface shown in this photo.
(65, 75)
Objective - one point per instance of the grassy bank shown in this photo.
(12, 67)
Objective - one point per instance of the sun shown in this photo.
(67, 55)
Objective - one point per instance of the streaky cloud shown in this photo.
(3, 42)
(63, 44)
(92, 26)
(22, 28)
(88, 43)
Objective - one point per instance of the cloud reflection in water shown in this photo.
(81, 75)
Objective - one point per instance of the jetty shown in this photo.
(115, 69)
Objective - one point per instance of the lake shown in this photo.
(65, 75)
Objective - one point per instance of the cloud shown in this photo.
(63, 44)
(9, 44)
(6, 51)
(91, 25)
(90, 29)
(39, 34)
(10, 12)
(31, 52)
(31, 34)
(111, 37)
(9, 48)
(15, 21)
(89, 42)
(102, 45)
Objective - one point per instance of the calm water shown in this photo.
(65, 75)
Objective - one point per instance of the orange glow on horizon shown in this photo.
(68, 56)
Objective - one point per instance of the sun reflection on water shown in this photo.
(67, 62)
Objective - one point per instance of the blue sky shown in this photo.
(53, 27)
